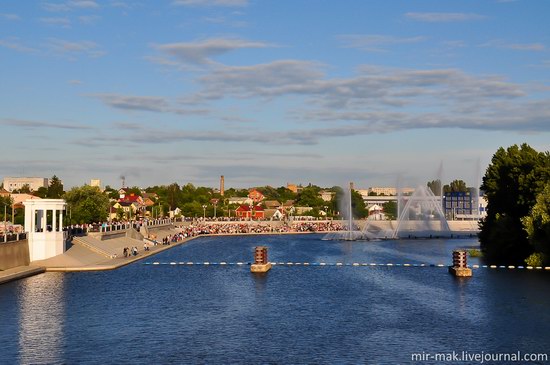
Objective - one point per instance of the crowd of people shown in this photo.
(260, 227)
(130, 251)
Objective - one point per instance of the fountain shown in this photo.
(351, 233)
(419, 215)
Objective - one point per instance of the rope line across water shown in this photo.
(223, 263)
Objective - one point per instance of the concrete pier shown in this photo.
(260, 260)
(460, 267)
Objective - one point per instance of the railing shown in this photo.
(120, 226)
(12, 237)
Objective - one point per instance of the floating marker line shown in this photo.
(341, 264)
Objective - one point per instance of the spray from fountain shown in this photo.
(352, 233)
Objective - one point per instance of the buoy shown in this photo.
(260, 260)
(460, 267)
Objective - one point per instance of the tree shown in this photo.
(87, 204)
(5, 204)
(390, 210)
(173, 195)
(55, 190)
(435, 187)
(358, 208)
(25, 189)
(512, 182)
(537, 226)
(456, 186)
(309, 197)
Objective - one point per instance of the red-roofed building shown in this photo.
(134, 200)
(246, 211)
(256, 196)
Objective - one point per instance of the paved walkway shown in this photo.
(19, 272)
(79, 258)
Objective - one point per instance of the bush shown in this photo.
(475, 253)
(536, 259)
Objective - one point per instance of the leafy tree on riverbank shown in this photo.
(537, 226)
(512, 182)
(86, 204)
(358, 208)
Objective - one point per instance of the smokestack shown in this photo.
(222, 183)
(351, 186)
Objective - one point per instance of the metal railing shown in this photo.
(12, 237)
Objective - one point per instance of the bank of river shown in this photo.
(293, 314)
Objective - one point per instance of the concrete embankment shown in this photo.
(14, 254)
(19, 272)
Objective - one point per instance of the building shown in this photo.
(96, 183)
(458, 203)
(464, 205)
(294, 188)
(16, 183)
(237, 200)
(255, 195)
(272, 204)
(326, 195)
(246, 211)
(389, 191)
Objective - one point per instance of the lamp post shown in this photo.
(5, 206)
(204, 211)
(214, 203)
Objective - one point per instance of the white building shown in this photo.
(16, 183)
(95, 182)
(389, 191)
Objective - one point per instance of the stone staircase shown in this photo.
(108, 248)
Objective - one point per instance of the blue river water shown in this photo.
(212, 314)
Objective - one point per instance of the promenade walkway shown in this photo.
(19, 272)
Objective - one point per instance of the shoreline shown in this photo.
(21, 272)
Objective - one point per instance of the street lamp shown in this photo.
(204, 211)
(214, 203)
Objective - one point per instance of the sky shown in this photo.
(270, 92)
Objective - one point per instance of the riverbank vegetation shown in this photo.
(517, 225)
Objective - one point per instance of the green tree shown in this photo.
(358, 208)
(512, 182)
(5, 205)
(537, 225)
(111, 193)
(25, 189)
(309, 197)
(435, 187)
(456, 186)
(41, 192)
(390, 210)
(87, 204)
(55, 190)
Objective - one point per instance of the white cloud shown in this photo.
(501, 44)
(156, 104)
(88, 19)
(201, 52)
(84, 4)
(63, 22)
(31, 124)
(375, 42)
(223, 3)
(72, 49)
(70, 5)
(14, 43)
(444, 17)
(12, 17)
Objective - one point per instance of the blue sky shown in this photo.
(270, 92)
